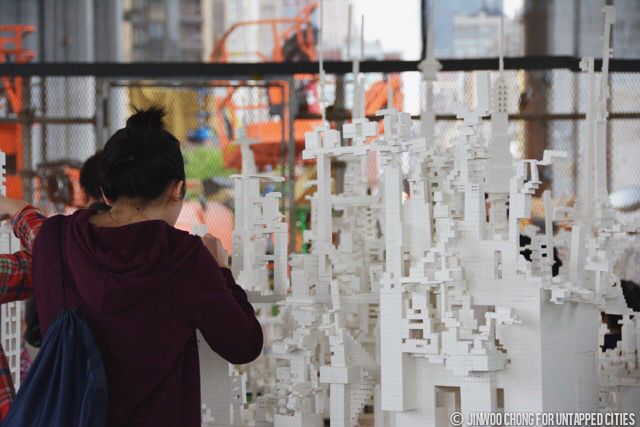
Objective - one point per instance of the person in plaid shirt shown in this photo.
(15, 277)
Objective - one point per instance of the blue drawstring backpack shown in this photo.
(66, 385)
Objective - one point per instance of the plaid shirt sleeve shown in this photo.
(15, 284)
(15, 276)
(26, 225)
(15, 269)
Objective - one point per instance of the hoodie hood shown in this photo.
(115, 267)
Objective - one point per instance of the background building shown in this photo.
(166, 30)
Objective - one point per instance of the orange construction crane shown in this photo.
(12, 50)
(300, 26)
(293, 39)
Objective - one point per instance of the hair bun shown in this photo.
(142, 159)
(147, 121)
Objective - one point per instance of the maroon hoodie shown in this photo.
(144, 289)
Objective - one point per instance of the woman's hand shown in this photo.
(216, 249)
(10, 207)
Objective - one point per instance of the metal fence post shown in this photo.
(291, 164)
(27, 168)
(99, 115)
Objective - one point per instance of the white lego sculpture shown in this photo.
(258, 222)
(11, 312)
(604, 246)
(258, 225)
(421, 302)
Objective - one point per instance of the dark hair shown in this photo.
(141, 160)
(89, 176)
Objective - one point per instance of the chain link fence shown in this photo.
(64, 120)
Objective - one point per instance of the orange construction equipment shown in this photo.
(300, 26)
(294, 39)
(12, 50)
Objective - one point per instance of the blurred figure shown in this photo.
(89, 182)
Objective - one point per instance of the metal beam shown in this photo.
(248, 71)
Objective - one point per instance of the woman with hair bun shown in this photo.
(143, 285)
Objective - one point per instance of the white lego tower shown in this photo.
(353, 371)
(298, 397)
(429, 67)
(11, 312)
(603, 245)
(467, 324)
(500, 165)
(423, 303)
(258, 222)
(332, 291)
